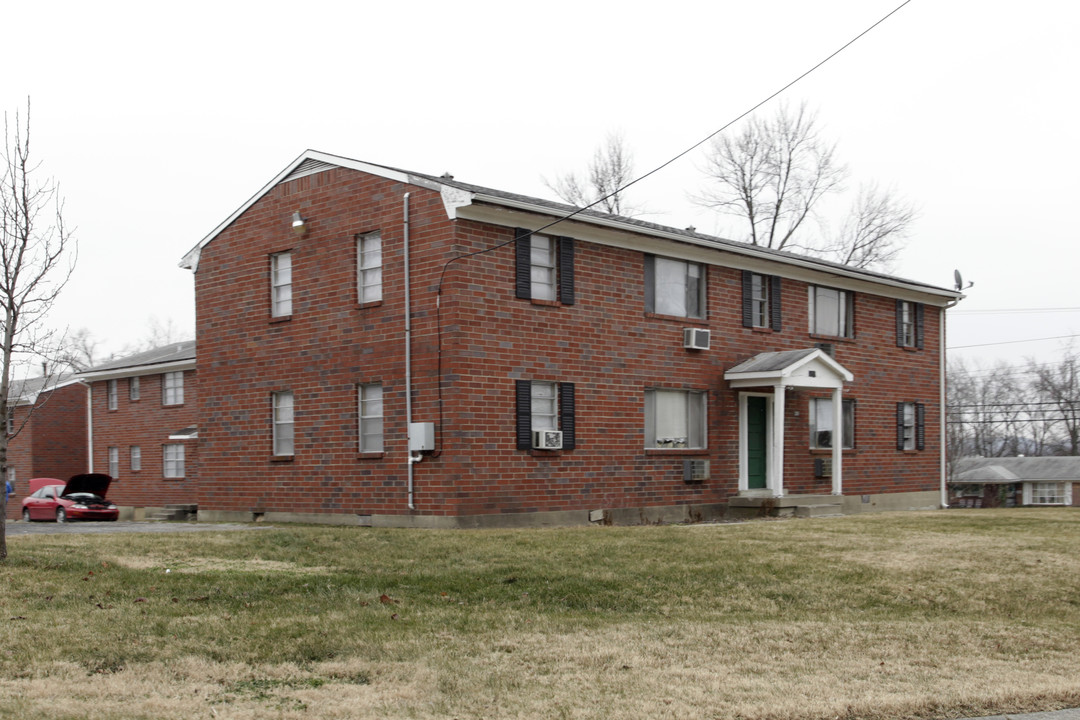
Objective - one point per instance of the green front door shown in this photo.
(757, 436)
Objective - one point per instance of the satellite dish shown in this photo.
(959, 280)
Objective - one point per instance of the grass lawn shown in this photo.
(906, 615)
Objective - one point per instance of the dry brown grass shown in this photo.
(931, 615)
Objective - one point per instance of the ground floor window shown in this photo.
(136, 458)
(821, 424)
(114, 461)
(1049, 493)
(371, 417)
(674, 418)
(173, 461)
(283, 423)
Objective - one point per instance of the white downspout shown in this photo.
(417, 457)
(943, 405)
(90, 427)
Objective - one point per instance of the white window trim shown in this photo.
(172, 460)
(367, 402)
(544, 393)
(134, 389)
(760, 312)
(369, 267)
(1064, 493)
(690, 297)
(281, 284)
(543, 267)
(111, 394)
(135, 456)
(172, 388)
(281, 420)
(909, 426)
(114, 461)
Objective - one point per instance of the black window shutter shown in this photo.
(920, 426)
(900, 323)
(566, 415)
(919, 314)
(900, 425)
(747, 298)
(523, 269)
(566, 270)
(523, 402)
(650, 283)
(774, 302)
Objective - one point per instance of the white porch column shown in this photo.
(776, 464)
(838, 441)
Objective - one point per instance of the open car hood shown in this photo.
(95, 483)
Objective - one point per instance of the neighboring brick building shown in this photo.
(595, 328)
(143, 418)
(48, 432)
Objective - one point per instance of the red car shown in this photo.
(80, 498)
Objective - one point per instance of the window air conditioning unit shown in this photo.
(547, 440)
(695, 339)
(822, 468)
(695, 471)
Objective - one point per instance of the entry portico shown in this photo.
(761, 415)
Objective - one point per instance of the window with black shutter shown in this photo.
(539, 405)
(909, 324)
(760, 300)
(544, 267)
(910, 426)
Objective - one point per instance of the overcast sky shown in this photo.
(159, 120)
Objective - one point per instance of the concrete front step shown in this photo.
(786, 506)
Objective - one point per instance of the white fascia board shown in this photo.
(190, 261)
(138, 370)
(613, 232)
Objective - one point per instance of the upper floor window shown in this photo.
(909, 324)
(371, 417)
(110, 392)
(133, 388)
(172, 388)
(674, 287)
(821, 423)
(910, 426)
(832, 312)
(545, 267)
(281, 284)
(173, 461)
(675, 418)
(283, 423)
(760, 300)
(369, 267)
(543, 405)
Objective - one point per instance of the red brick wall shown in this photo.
(52, 443)
(146, 423)
(606, 344)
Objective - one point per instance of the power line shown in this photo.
(1015, 311)
(1012, 342)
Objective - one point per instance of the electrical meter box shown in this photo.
(421, 436)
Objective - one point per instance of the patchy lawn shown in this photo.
(905, 615)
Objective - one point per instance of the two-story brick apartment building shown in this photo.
(47, 432)
(143, 428)
(600, 367)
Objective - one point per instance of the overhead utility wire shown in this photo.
(1011, 342)
(578, 211)
(688, 150)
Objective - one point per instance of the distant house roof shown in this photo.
(177, 356)
(1017, 469)
(26, 391)
(470, 201)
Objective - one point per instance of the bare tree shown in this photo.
(611, 168)
(37, 256)
(80, 351)
(774, 176)
(1057, 386)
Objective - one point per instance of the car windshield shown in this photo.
(84, 497)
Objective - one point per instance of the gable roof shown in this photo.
(796, 368)
(175, 356)
(469, 201)
(1017, 469)
(27, 390)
